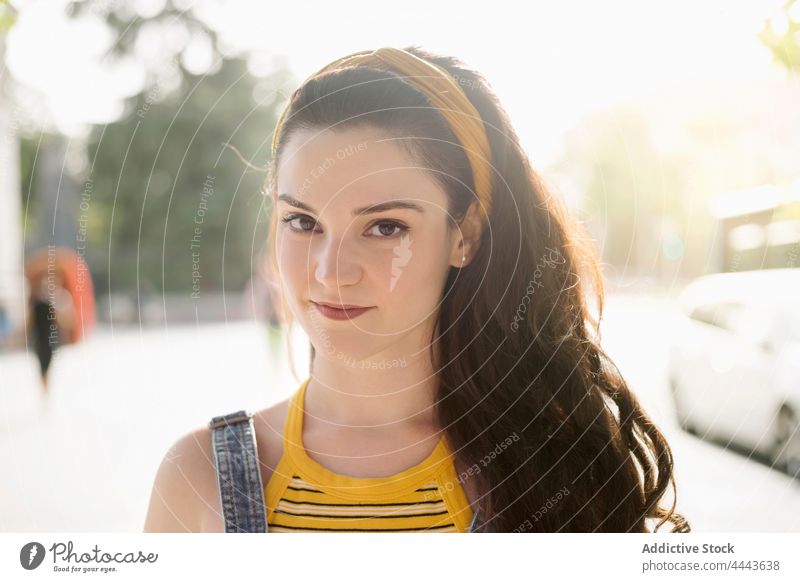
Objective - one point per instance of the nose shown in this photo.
(336, 264)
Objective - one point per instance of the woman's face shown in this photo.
(333, 247)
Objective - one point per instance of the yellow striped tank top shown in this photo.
(304, 496)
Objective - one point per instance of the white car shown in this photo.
(734, 362)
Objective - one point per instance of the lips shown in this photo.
(340, 311)
(339, 305)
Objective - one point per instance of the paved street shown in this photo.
(84, 458)
(718, 490)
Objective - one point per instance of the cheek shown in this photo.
(418, 274)
(293, 261)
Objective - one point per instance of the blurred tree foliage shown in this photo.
(166, 200)
(171, 198)
(781, 34)
(647, 205)
(634, 193)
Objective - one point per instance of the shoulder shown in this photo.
(184, 483)
(185, 496)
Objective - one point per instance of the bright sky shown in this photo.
(550, 62)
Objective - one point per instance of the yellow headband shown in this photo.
(445, 94)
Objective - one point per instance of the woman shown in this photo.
(43, 329)
(51, 321)
(461, 377)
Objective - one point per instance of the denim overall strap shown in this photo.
(241, 492)
(473, 526)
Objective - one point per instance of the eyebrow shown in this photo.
(371, 209)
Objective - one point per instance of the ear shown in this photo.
(467, 236)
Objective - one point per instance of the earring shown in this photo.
(463, 259)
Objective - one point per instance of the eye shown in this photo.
(289, 218)
(385, 226)
(386, 229)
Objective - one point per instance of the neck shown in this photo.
(339, 396)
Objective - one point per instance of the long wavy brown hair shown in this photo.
(519, 358)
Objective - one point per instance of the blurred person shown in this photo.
(5, 328)
(51, 320)
(261, 300)
(457, 382)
